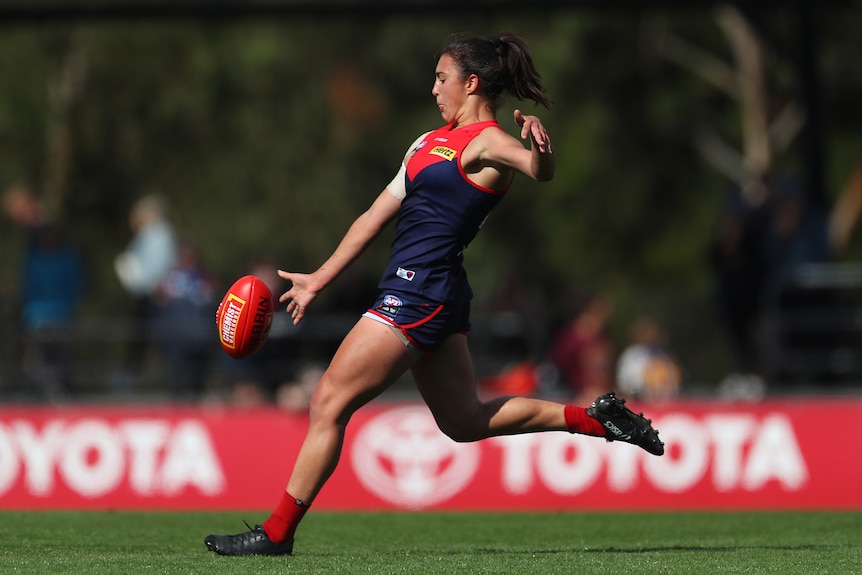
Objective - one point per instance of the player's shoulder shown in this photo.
(493, 133)
(411, 149)
(491, 140)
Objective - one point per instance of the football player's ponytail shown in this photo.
(503, 65)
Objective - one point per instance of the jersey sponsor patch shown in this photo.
(405, 274)
(443, 152)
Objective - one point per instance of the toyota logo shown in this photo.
(402, 457)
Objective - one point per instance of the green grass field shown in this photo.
(404, 543)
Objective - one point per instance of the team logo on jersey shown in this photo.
(405, 274)
(390, 305)
(415, 150)
(443, 152)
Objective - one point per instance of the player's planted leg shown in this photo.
(252, 542)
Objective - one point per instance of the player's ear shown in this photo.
(471, 84)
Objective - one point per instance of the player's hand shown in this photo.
(531, 127)
(299, 296)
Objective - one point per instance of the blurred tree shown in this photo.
(268, 137)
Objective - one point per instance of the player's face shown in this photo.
(449, 90)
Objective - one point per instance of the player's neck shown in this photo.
(468, 119)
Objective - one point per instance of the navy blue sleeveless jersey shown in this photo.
(439, 216)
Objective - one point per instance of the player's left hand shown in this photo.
(531, 127)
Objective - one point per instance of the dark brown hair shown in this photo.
(502, 63)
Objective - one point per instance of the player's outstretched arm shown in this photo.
(361, 233)
(501, 149)
(541, 166)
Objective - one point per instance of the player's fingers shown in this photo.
(540, 137)
(283, 274)
(298, 313)
(519, 118)
(296, 284)
(286, 296)
(545, 143)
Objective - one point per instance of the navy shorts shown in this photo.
(423, 325)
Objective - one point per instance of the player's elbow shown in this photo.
(544, 171)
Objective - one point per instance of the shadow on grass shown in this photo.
(720, 548)
(653, 549)
(610, 550)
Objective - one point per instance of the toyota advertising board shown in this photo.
(794, 454)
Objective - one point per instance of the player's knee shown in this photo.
(461, 430)
(327, 406)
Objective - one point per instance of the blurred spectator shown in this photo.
(23, 208)
(583, 353)
(51, 288)
(646, 369)
(798, 233)
(740, 268)
(185, 303)
(755, 258)
(152, 251)
(150, 255)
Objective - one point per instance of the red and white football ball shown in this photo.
(244, 317)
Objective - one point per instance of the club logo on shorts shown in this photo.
(405, 274)
(390, 305)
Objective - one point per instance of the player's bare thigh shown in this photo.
(448, 385)
(370, 358)
(447, 381)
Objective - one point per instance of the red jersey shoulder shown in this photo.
(442, 145)
(435, 147)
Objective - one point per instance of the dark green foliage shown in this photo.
(270, 137)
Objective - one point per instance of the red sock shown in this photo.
(578, 421)
(282, 524)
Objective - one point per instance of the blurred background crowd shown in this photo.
(699, 237)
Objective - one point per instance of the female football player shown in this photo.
(447, 183)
